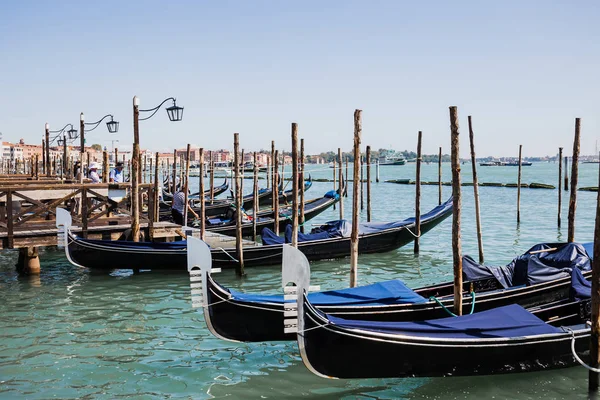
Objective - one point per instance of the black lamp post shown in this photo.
(175, 113)
(112, 126)
(67, 135)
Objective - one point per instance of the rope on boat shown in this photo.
(230, 256)
(450, 312)
(579, 360)
(416, 236)
(314, 327)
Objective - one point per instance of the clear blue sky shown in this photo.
(523, 69)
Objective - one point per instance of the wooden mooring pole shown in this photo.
(574, 177)
(295, 183)
(377, 171)
(105, 172)
(255, 197)
(201, 194)
(135, 159)
(519, 185)
(560, 150)
(334, 178)
(302, 185)
(212, 178)
(418, 194)
(594, 377)
(456, 211)
(174, 182)
(276, 193)
(566, 173)
(340, 182)
(346, 181)
(475, 191)
(368, 183)
(238, 207)
(440, 176)
(355, 196)
(186, 187)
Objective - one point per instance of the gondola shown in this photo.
(506, 339)
(167, 196)
(171, 256)
(246, 317)
(312, 208)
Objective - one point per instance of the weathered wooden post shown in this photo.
(346, 180)
(155, 194)
(242, 175)
(560, 150)
(82, 148)
(377, 171)
(37, 167)
(150, 171)
(48, 169)
(238, 207)
(212, 177)
(341, 183)
(566, 174)
(186, 187)
(295, 182)
(519, 186)
(135, 159)
(274, 180)
(276, 193)
(302, 185)
(105, 172)
(475, 191)
(174, 182)
(456, 244)
(355, 196)
(116, 156)
(440, 176)
(201, 194)
(44, 156)
(362, 186)
(268, 173)
(368, 183)
(574, 177)
(418, 194)
(334, 179)
(593, 376)
(255, 197)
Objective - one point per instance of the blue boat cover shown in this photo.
(502, 322)
(530, 269)
(581, 288)
(124, 244)
(269, 237)
(388, 292)
(343, 228)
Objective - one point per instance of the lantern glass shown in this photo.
(175, 113)
(60, 142)
(72, 133)
(113, 126)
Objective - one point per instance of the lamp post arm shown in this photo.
(97, 123)
(59, 132)
(155, 109)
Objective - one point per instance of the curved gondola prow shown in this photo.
(63, 226)
(295, 270)
(199, 265)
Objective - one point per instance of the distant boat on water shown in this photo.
(391, 161)
(496, 163)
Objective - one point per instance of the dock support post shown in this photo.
(377, 171)
(355, 196)
(560, 150)
(274, 180)
(105, 172)
(368, 158)
(340, 182)
(212, 177)
(566, 174)
(238, 207)
(362, 183)
(418, 194)
(574, 173)
(174, 182)
(456, 243)
(346, 180)
(301, 184)
(295, 184)
(335, 179)
(28, 262)
(475, 191)
(48, 169)
(186, 187)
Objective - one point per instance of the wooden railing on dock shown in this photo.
(28, 209)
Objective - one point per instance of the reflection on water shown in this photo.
(71, 333)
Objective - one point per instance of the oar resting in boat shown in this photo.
(171, 256)
(529, 280)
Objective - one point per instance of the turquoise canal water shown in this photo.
(71, 333)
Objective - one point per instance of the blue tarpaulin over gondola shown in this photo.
(530, 269)
(507, 321)
(581, 288)
(388, 292)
